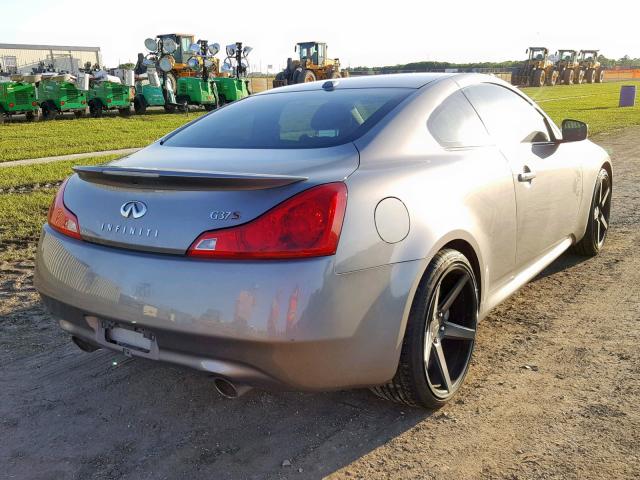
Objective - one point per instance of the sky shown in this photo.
(358, 32)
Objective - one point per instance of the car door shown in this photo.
(547, 182)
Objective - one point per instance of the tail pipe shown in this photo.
(228, 389)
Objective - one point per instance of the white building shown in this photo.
(18, 58)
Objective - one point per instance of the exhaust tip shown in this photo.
(228, 389)
(84, 346)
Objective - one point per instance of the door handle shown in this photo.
(527, 175)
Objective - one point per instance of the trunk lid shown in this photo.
(162, 198)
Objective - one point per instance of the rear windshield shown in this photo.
(309, 119)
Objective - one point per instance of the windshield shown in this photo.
(308, 119)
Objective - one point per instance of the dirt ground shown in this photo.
(554, 392)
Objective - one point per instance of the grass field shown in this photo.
(20, 140)
(595, 104)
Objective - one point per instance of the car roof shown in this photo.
(396, 80)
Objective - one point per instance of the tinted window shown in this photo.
(310, 119)
(508, 117)
(456, 124)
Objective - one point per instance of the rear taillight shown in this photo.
(61, 102)
(62, 219)
(11, 104)
(34, 104)
(306, 225)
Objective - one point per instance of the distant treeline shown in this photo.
(625, 61)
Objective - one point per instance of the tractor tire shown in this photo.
(600, 76)
(95, 108)
(590, 75)
(139, 105)
(171, 78)
(538, 78)
(333, 74)
(580, 79)
(552, 79)
(308, 76)
(567, 77)
(125, 112)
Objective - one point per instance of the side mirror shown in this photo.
(574, 130)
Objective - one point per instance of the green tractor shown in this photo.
(108, 95)
(235, 85)
(18, 97)
(171, 74)
(57, 95)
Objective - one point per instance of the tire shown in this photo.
(590, 75)
(125, 112)
(598, 221)
(420, 383)
(538, 79)
(31, 116)
(568, 77)
(169, 108)
(174, 83)
(580, 79)
(95, 108)
(139, 105)
(552, 79)
(80, 113)
(334, 74)
(309, 76)
(600, 77)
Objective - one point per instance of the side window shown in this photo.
(508, 117)
(454, 123)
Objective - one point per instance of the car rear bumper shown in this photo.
(283, 324)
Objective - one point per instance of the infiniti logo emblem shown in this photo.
(133, 209)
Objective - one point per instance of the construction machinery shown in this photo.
(232, 83)
(313, 64)
(105, 94)
(591, 67)
(568, 67)
(536, 71)
(178, 70)
(18, 96)
(59, 94)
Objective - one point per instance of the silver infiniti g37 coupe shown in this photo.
(325, 235)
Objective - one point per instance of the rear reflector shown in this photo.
(62, 219)
(306, 225)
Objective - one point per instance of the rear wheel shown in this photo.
(440, 335)
(32, 115)
(552, 79)
(600, 77)
(590, 75)
(580, 78)
(598, 222)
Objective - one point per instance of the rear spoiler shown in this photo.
(182, 179)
